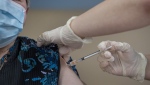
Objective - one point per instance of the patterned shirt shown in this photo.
(28, 64)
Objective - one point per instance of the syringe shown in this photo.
(74, 62)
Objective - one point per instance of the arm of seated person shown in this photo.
(67, 76)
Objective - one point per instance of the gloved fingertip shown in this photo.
(39, 44)
(104, 45)
(108, 56)
(112, 59)
(103, 64)
(101, 46)
(121, 46)
(64, 50)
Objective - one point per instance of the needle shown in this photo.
(74, 62)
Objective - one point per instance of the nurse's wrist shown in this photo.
(73, 32)
(74, 27)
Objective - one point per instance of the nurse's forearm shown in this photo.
(147, 74)
(112, 16)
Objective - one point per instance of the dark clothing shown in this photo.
(28, 64)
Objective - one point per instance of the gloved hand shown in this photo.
(122, 60)
(64, 37)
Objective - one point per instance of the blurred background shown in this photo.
(45, 15)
